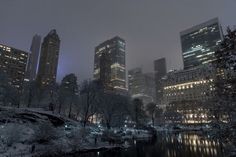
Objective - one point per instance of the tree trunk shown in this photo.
(108, 125)
(152, 120)
(87, 110)
(84, 123)
(29, 99)
(70, 110)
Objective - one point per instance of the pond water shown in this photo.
(168, 145)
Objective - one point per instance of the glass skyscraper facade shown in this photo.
(109, 64)
(199, 43)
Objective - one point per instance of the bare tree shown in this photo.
(151, 109)
(111, 107)
(68, 94)
(138, 111)
(30, 93)
(9, 95)
(88, 100)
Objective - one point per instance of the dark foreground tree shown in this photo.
(226, 73)
(68, 95)
(89, 94)
(151, 109)
(139, 115)
(113, 108)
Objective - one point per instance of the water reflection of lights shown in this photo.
(195, 143)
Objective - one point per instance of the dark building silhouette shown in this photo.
(109, 65)
(13, 62)
(160, 71)
(199, 43)
(33, 58)
(47, 71)
(105, 71)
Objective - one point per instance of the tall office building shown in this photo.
(109, 65)
(160, 71)
(141, 85)
(199, 43)
(33, 58)
(13, 62)
(47, 71)
(188, 93)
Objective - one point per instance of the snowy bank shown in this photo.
(31, 132)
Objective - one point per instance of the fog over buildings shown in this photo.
(151, 31)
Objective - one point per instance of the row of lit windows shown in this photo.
(5, 48)
(182, 93)
(118, 87)
(188, 84)
(117, 65)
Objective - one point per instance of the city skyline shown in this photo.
(78, 41)
(118, 78)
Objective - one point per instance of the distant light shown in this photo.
(27, 80)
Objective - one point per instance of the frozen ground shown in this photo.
(33, 132)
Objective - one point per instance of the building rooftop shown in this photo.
(199, 26)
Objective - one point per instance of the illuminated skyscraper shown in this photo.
(109, 65)
(13, 62)
(48, 63)
(199, 43)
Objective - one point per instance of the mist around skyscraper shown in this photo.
(120, 110)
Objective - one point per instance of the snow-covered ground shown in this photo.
(131, 133)
(32, 132)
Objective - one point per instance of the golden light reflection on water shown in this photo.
(192, 143)
(168, 145)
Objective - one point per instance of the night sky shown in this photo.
(150, 27)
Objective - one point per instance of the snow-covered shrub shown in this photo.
(45, 132)
(61, 146)
(10, 134)
(76, 139)
(80, 134)
(84, 133)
